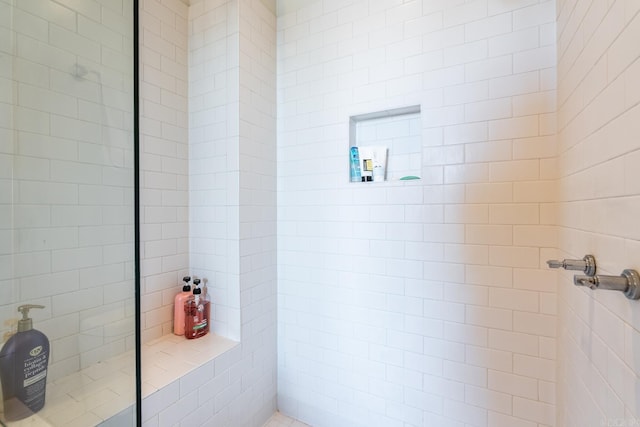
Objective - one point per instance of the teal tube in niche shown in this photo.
(24, 360)
(354, 171)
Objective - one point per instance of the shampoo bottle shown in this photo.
(196, 309)
(24, 360)
(178, 306)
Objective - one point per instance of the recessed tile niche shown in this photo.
(398, 129)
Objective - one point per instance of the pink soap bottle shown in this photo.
(196, 309)
(178, 307)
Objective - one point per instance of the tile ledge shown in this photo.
(170, 357)
(164, 360)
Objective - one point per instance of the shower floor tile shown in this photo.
(279, 420)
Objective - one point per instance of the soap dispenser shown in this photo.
(24, 360)
(196, 311)
(178, 306)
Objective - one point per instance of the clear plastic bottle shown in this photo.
(196, 314)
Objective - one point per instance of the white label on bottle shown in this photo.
(42, 375)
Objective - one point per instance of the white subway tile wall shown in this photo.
(213, 165)
(213, 211)
(66, 179)
(164, 161)
(424, 303)
(598, 112)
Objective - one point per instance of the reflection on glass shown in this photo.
(66, 211)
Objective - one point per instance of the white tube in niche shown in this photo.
(379, 163)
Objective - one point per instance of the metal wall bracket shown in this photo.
(587, 264)
(628, 283)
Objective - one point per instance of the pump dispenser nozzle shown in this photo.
(26, 323)
(186, 287)
(197, 292)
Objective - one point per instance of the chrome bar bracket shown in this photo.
(628, 283)
(587, 264)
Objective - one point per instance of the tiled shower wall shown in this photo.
(164, 153)
(422, 303)
(214, 163)
(232, 204)
(66, 176)
(599, 150)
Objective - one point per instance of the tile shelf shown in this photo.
(85, 398)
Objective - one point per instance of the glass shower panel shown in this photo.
(67, 210)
